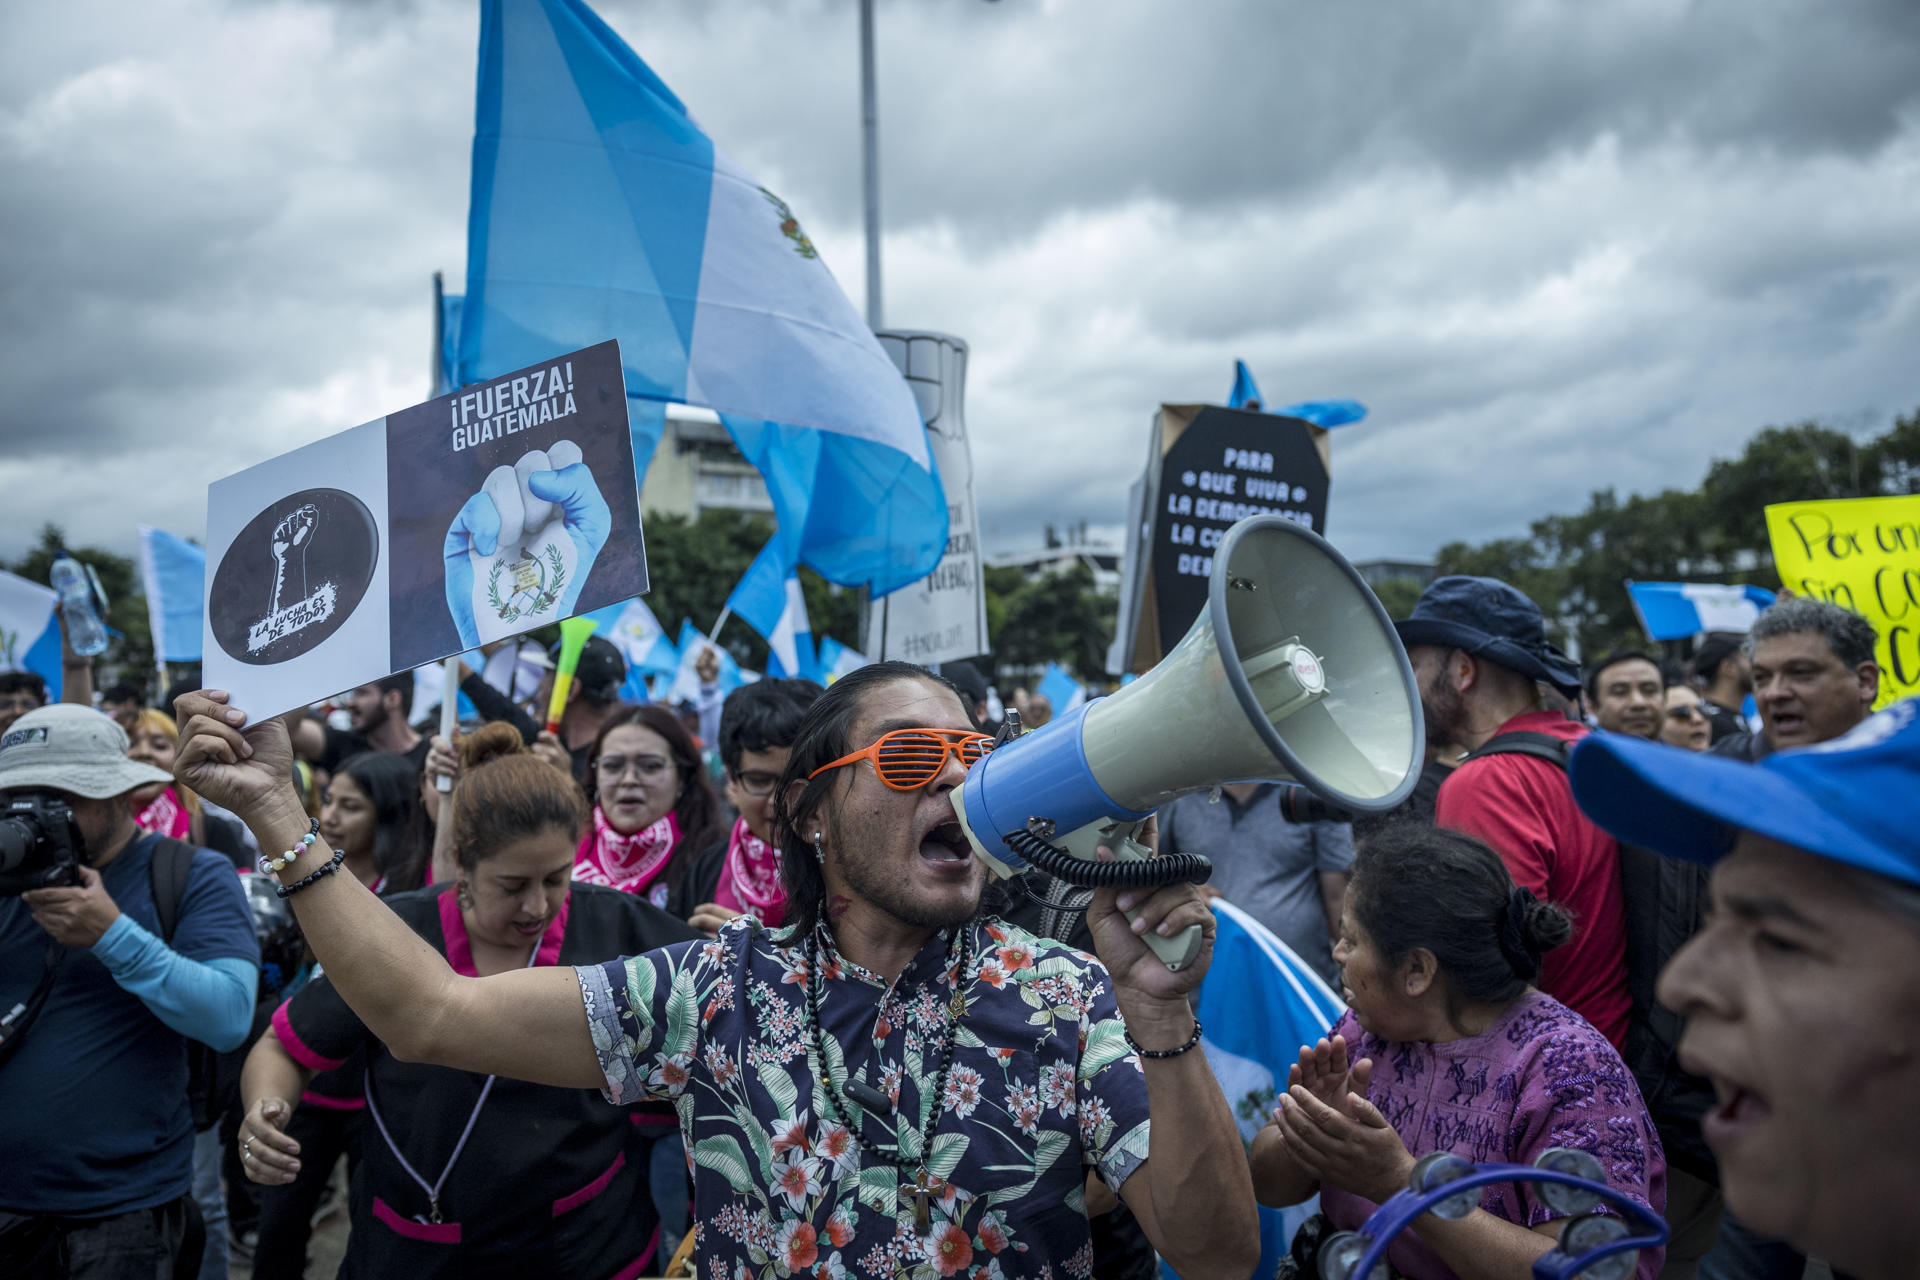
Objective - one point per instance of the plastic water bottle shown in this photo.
(85, 632)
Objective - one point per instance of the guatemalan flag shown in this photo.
(1321, 413)
(685, 684)
(1677, 610)
(173, 572)
(768, 599)
(641, 640)
(1258, 1004)
(29, 632)
(837, 660)
(1060, 689)
(600, 209)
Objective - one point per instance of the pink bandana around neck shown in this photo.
(629, 863)
(752, 882)
(166, 815)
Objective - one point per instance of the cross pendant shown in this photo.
(919, 1190)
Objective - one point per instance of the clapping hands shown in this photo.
(1330, 1129)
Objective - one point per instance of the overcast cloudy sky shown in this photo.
(1553, 246)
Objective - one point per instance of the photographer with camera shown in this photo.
(116, 948)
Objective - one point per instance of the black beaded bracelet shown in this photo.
(1164, 1053)
(326, 868)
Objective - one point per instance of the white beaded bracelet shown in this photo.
(273, 866)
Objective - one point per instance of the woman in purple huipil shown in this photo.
(1447, 1047)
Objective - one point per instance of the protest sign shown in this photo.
(475, 516)
(1862, 554)
(1207, 468)
(943, 616)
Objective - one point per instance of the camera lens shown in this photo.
(17, 837)
(1297, 804)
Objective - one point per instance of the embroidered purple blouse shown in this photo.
(1541, 1076)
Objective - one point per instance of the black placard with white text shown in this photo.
(1226, 465)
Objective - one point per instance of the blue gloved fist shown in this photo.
(584, 513)
(476, 528)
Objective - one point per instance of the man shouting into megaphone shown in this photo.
(894, 1085)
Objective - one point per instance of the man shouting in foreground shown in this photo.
(893, 1085)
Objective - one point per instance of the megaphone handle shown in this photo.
(1176, 951)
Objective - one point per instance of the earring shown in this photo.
(819, 854)
(465, 895)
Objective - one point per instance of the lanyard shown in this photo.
(433, 1192)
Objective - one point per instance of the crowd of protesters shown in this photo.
(1620, 912)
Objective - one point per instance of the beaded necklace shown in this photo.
(921, 1186)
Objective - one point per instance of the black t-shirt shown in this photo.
(700, 883)
(1724, 723)
(549, 1182)
(344, 744)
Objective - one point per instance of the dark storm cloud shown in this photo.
(1554, 247)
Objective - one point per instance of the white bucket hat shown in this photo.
(73, 749)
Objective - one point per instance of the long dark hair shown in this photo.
(507, 793)
(1417, 886)
(401, 845)
(826, 734)
(696, 808)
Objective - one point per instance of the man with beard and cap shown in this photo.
(1799, 993)
(1478, 646)
(378, 713)
(893, 1083)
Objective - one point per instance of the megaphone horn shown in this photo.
(1292, 673)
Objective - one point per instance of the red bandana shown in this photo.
(752, 880)
(165, 815)
(630, 863)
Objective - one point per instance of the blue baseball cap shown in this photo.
(1854, 799)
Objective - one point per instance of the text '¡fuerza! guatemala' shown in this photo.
(491, 412)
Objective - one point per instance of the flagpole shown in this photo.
(713, 636)
(439, 335)
(870, 151)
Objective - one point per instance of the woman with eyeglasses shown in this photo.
(653, 809)
(1684, 723)
(740, 873)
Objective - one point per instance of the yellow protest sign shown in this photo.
(1862, 554)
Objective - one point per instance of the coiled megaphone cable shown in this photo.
(1171, 868)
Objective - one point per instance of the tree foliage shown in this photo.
(1576, 566)
(1059, 616)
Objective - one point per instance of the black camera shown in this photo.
(40, 843)
(1297, 804)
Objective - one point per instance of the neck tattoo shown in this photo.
(920, 1186)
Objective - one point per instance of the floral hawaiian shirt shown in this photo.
(1042, 1087)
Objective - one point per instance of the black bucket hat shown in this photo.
(1491, 620)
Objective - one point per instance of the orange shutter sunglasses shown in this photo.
(908, 759)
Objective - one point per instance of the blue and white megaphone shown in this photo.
(1292, 673)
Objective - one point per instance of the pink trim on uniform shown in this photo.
(328, 1103)
(642, 1264)
(431, 1232)
(453, 927)
(294, 1045)
(454, 930)
(567, 1204)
